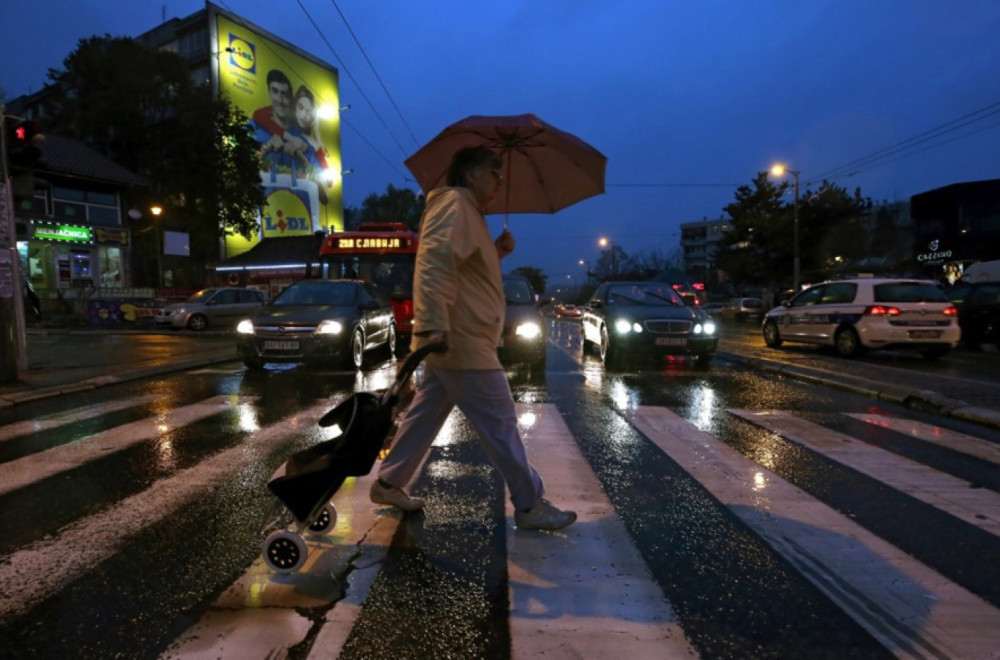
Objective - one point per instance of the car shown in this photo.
(646, 318)
(568, 311)
(524, 330)
(742, 309)
(319, 322)
(211, 307)
(712, 308)
(855, 315)
(978, 305)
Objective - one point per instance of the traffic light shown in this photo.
(23, 138)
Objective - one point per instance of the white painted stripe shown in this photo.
(19, 429)
(967, 444)
(31, 469)
(911, 609)
(583, 592)
(40, 570)
(976, 506)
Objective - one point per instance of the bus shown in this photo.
(383, 253)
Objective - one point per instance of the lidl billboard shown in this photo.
(293, 104)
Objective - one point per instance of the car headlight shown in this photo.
(329, 327)
(624, 326)
(704, 328)
(245, 327)
(528, 330)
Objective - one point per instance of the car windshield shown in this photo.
(644, 294)
(517, 292)
(317, 293)
(898, 292)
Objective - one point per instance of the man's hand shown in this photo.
(504, 243)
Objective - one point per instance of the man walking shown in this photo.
(458, 301)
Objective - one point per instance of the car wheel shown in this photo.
(256, 364)
(610, 354)
(354, 358)
(847, 343)
(771, 335)
(934, 353)
(197, 322)
(390, 342)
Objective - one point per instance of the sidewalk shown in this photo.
(95, 359)
(62, 360)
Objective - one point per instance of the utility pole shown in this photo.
(13, 347)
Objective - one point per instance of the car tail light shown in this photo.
(951, 311)
(882, 310)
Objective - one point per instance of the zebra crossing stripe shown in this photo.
(957, 497)
(967, 444)
(911, 609)
(19, 429)
(42, 465)
(36, 572)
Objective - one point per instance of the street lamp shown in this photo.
(779, 170)
(606, 243)
(157, 211)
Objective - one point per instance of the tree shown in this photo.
(395, 205)
(138, 107)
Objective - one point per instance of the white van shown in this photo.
(984, 271)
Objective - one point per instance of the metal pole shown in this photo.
(13, 354)
(795, 279)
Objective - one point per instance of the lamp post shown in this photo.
(157, 211)
(606, 242)
(779, 170)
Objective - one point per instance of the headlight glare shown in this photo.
(528, 330)
(245, 327)
(329, 327)
(623, 326)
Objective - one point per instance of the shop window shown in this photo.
(85, 206)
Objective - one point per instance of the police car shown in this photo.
(855, 315)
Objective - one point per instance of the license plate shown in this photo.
(671, 341)
(281, 345)
(925, 334)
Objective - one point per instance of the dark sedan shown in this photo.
(319, 322)
(646, 318)
(978, 305)
(524, 329)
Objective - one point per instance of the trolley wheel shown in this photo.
(325, 521)
(285, 551)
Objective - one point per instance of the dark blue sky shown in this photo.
(687, 99)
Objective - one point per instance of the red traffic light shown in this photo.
(23, 140)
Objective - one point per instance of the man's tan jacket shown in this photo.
(458, 286)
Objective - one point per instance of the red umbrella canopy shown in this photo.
(545, 169)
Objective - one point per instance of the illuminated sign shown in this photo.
(372, 243)
(68, 233)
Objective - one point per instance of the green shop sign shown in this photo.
(71, 233)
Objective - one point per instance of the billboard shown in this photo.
(293, 104)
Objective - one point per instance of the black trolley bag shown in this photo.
(307, 481)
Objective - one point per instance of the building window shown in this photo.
(94, 207)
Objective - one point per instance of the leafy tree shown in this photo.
(139, 107)
(538, 279)
(395, 205)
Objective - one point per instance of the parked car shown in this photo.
(978, 307)
(211, 307)
(319, 322)
(646, 318)
(524, 329)
(855, 315)
(712, 309)
(742, 309)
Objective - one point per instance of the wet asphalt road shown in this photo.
(443, 588)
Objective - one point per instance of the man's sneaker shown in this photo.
(394, 496)
(544, 516)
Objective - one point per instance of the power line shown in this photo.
(377, 76)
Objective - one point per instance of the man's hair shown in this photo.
(277, 75)
(466, 160)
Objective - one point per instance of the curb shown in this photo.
(917, 399)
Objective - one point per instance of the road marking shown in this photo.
(41, 569)
(36, 467)
(967, 444)
(976, 506)
(19, 429)
(911, 609)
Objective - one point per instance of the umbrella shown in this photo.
(545, 169)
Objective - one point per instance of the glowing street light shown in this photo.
(779, 170)
(606, 243)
